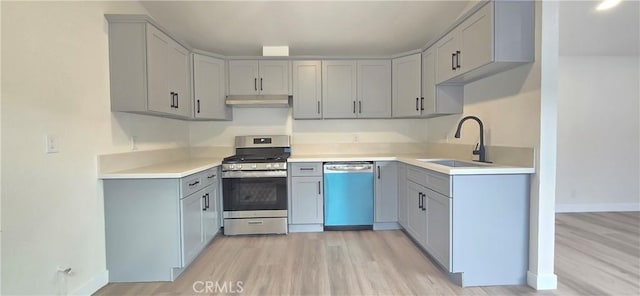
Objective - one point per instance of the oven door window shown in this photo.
(251, 194)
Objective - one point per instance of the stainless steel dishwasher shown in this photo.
(348, 196)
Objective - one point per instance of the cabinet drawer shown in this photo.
(438, 182)
(210, 176)
(306, 169)
(191, 184)
(417, 175)
(435, 181)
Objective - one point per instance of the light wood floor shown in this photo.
(596, 254)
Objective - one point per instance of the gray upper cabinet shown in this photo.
(307, 89)
(386, 192)
(498, 36)
(149, 71)
(438, 100)
(406, 86)
(339, 89)
(374, 89)
(356, 89)
(258, 77)
(209, 91)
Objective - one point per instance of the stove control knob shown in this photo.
(276, 165)
(232, 166)
(268, 165)
(239, 166)
(255, 166)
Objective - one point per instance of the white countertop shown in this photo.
(168, 170)
(183, 168)
(484, 169)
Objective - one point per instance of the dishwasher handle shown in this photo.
(349, 167)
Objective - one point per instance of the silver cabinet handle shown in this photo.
(255, 222)
(194, 183)
(318, 107)
(319, 188)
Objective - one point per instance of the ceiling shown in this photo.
(585, 31)
(322, 28)
(347, 28)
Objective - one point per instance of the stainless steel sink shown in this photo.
(453, 163)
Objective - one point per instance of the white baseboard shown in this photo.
(306, 228)
(386, 226)
(542, 281)
(597, 207)
(98, 281)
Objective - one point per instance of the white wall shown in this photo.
(55, 80)
(598, 134)
(250, 121)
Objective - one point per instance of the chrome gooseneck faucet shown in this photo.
(479, 150)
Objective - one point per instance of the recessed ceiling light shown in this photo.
(606, 4)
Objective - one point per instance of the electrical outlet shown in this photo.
(51, 143)
(134, 140)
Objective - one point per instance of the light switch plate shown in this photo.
(51, 144)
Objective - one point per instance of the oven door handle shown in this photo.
(253, 174)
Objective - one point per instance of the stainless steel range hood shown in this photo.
(251, 101)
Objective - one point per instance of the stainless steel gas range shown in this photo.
(254, 185)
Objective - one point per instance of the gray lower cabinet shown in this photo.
(386, 192)
(306, 203)
(474, 226)
(402, 195)
(416, 213)
(191, 209)
(438, 235)
(156, 227)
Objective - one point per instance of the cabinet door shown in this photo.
(307, 89)
(374, 89)
(416, 221)
(210, 219)
(209, 88)
(446, 60)
(243, 77)
(339, 89)
(386, 192)
(402, 195)
(191, 218)
(307, 205)
(406, 86)
(439, 227)
(159, 98)
(428, 103)
(476, 39)
(179, 78)
(273, 77)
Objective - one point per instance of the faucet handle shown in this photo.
(476, 151)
